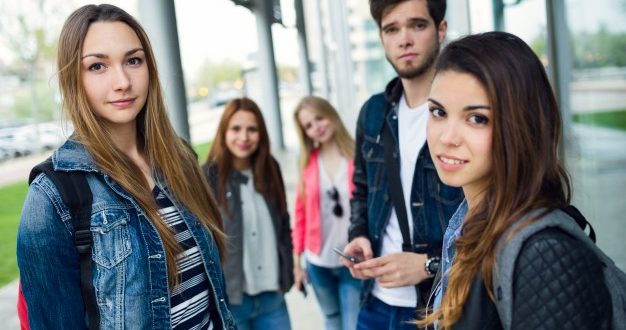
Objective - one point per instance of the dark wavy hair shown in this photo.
(527, 174)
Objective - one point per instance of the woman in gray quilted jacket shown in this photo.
(494, 130)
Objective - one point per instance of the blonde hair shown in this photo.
(323, 108)
(166, 153)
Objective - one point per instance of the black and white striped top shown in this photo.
(189, 300)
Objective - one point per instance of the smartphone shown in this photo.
(303, 289)
(347, 257)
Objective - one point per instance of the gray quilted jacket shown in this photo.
(549, 275)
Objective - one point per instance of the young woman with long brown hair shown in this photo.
(494, 130)
(250, 191)
(155, 227)
(322, 212)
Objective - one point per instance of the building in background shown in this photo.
(583, 45)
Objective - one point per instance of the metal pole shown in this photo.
(267, 73)
(158, 17)
(322, 65)
(498, 15)
(305, 67)
(559, 69)
(344, 78)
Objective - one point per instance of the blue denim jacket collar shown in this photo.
(73, 155)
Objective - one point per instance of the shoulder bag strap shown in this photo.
(397, 197)
(395, 187)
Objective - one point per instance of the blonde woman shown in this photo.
(322, 212)
(156, 229)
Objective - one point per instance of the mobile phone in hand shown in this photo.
(303, 289)
(347, 257)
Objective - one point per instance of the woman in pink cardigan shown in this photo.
(322, 213)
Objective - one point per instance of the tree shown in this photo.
(29, 30)
(213, 75)
(600, 49)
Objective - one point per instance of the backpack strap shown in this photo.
(397, 198)
(77, 196)
(395, 188)
(580, 219)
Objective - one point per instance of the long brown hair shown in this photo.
(164, 150)
(267, 180)
(323, 108)
(527, 174)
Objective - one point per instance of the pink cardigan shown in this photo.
(307, 231)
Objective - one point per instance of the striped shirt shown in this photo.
(189, 300)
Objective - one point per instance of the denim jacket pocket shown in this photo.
(111, 241)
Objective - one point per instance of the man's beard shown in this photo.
(414, 72)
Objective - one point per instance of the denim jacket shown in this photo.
(128, 258)
(432, 202)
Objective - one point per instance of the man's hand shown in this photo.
(361, 249)
(394, 270)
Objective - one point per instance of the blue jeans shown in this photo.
(338, 295)
(263, 311)
(377, 315)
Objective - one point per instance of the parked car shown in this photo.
(222, 96)
(13, 146)
(4, 154)
(29, 139)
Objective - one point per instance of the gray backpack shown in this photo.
(614, 278)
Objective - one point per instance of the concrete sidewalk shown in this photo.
(8, 307)
(303, 312)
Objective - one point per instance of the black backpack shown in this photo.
(76, 194)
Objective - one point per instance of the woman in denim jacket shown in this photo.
(249, 189)
(156, 229)
(494, 130)
(322, 213)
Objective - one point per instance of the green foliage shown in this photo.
(12, 197)
(612, 119)
(539, 45)
(36, 103)
(590, 50)
(213, 75)
(288, 73)
(202, 150)
(600, 49)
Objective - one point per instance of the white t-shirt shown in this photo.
(334, 228)
(412, 137)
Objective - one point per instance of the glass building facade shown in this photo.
(583, 46)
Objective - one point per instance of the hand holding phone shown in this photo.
(347, 257)
(303, 289)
